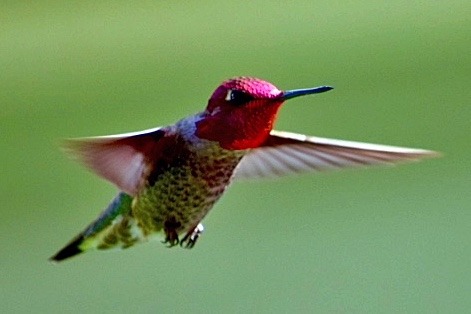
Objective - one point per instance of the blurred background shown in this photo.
(377, 240)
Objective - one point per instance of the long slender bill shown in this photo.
(305, 91)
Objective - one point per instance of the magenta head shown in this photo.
(241, 111)
(241, 90)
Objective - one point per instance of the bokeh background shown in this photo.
(378, 240)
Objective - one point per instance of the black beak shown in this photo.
(305, 91)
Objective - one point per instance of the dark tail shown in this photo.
(69, 250)
(103, 233)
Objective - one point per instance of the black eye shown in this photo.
(238, 98)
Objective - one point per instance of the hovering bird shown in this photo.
(170, 177)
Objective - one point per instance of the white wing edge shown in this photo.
(309, 153)
(351, 144)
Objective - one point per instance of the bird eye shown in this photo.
(237, 97)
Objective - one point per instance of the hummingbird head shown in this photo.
(241, 112)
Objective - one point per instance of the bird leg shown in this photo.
(189, 240)
(171, 235)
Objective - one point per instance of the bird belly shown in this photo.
(179, 197)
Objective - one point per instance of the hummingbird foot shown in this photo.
(171, 234)
(189, 240)
(171, 239)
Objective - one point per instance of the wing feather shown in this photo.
(286, 153)
(122, 159)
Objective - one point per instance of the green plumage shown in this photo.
(101, 228)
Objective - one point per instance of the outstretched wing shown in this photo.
(285, 153)
(122, 159)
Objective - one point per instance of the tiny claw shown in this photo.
(171, 243)
(171, 239)
(189, 240)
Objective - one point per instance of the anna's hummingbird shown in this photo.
(171, 176)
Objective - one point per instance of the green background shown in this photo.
(378, 240)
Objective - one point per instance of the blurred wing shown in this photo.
(286, 153)
(122, 159)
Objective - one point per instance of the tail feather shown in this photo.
(71, 249)
(110, 229)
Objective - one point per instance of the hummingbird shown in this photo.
(170, 177)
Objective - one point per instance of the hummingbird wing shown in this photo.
(122, 159)
(286, 153)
